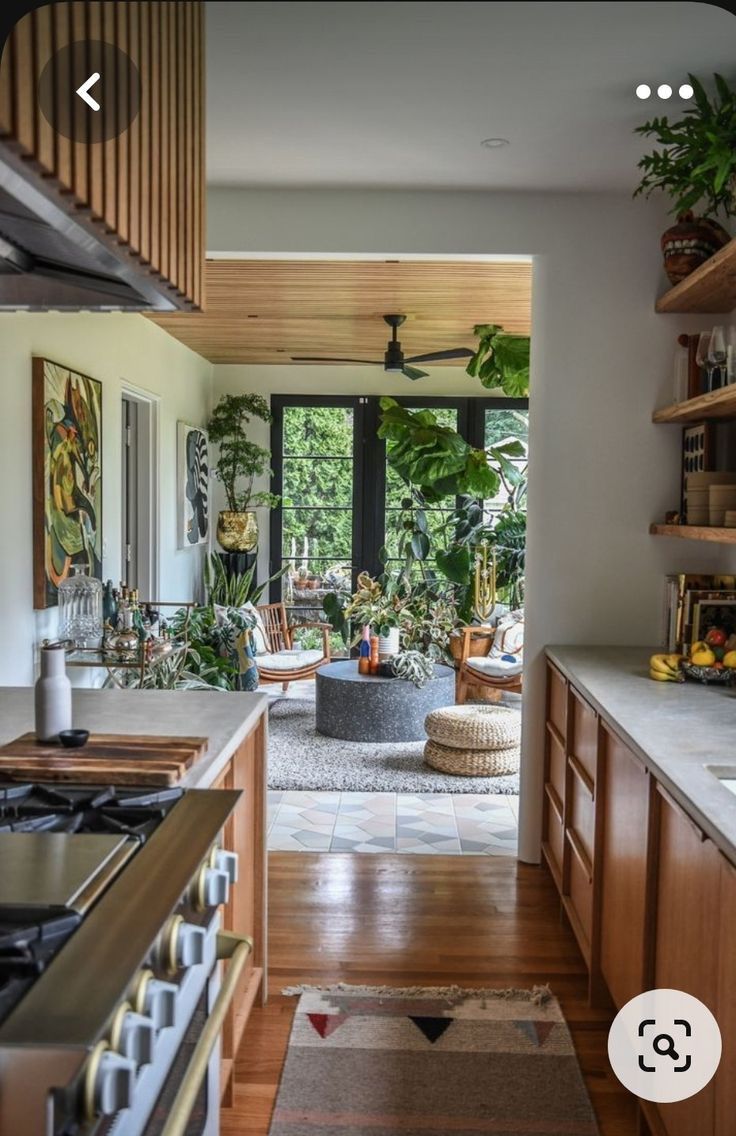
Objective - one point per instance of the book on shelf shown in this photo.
(688, 597)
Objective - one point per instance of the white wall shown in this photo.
(600, 471)
(115, 348)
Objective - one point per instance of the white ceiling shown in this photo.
(401, 94)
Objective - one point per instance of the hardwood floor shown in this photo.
(405, 920)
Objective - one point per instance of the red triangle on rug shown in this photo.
(432, 1028)
(538, 1032)
(326, 1024)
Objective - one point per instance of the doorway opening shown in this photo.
(139, 492)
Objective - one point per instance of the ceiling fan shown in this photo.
(394, 359)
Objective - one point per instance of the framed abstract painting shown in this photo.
(67, 477)
(193, 485)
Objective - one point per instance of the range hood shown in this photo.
(52, 258)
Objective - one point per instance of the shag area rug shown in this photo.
(366, 1061)
(300, 758)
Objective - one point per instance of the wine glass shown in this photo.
(701, 356)
(717, 356)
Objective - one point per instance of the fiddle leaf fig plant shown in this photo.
(240, 460)
(432, 457)
(501, 361)
(697, 164)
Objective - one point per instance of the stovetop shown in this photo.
(60, 848)
(48, 808)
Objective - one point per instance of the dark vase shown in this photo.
(689, 243)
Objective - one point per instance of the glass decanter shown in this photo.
(80, 608)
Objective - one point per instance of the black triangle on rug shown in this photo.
(432, 1028)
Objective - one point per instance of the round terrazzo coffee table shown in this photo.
(369, 708)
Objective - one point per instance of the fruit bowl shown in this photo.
(708, 675)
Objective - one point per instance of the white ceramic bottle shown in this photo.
(53, 696)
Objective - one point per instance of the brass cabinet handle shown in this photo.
(236, 949)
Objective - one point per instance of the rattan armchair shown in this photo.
(283, 663)
(470, 667)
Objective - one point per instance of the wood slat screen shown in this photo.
(146, 185)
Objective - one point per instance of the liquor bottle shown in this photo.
(364, 657)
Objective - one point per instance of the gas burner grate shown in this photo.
(44, 808)
(27, 945)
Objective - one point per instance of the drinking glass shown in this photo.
(717, 357)
(701, 357)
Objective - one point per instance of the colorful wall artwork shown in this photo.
(67, 477)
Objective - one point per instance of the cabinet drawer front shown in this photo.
(581, 813)
(580, 892)
(556, 761)
(553, 830)
(557, 700)
(584, 743)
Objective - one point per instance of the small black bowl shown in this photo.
(73, 739)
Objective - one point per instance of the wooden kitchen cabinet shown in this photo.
(624, 801)
(725, 1081)
(686, 938)
(555, 773)
(246, 911)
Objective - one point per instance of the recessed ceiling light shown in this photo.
(643, 91)
(664, 91)
(686, 91)
(494, 143)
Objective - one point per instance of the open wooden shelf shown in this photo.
(695, 532)
(718, 404)
(711, 288)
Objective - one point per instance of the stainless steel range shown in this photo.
(111, 1000)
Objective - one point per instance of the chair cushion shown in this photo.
(258, 636)
(288, 660)
(509, 637)
(502, 667)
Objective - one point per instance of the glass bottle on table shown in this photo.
(364, 656)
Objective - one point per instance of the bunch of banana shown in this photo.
(666, 668)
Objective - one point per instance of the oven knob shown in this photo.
(109, 1082)
(156, 1000)
(181, 945)
(211, 888)
(133, 1035)
(226, 862)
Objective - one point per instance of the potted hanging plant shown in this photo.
(239, 463)
(696, 167)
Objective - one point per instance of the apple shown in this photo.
(716, 637)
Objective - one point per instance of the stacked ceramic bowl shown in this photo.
(708, 496)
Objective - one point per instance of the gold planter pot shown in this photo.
(237, 532)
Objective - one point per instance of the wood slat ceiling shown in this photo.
(266, 311)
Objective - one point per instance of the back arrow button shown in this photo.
(84, 94)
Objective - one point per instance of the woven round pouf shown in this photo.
(474, 727)
(472, 762)
(473, 741)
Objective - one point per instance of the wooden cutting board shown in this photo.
(120, 759)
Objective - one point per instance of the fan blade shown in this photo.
(452, 353)
(412, 373)
(332, 359)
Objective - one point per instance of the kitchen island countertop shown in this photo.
(225, 718)
(678, 730)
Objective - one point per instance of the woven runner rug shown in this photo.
(370, 1061)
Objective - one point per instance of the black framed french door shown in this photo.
(329, 469)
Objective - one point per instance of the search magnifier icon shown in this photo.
(664, 1045)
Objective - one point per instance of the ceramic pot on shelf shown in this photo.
(689, 243)
(237, 532)
(388, 645)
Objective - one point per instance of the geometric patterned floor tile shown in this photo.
(419, 824)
